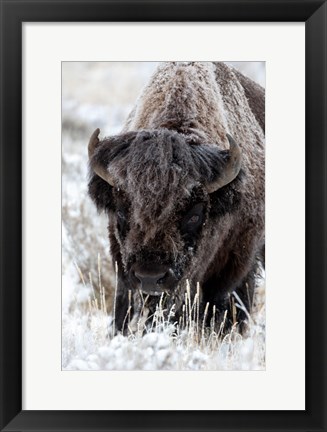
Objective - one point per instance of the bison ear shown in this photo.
(99, 168)
(101, 193)
(231, 165)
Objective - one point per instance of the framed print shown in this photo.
(141, 340)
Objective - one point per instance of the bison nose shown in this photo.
(152, 278)
(150, 282)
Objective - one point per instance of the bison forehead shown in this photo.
(153, 160)
(157, 174)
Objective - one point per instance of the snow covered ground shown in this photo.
(101, 95)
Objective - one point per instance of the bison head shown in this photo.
(164, 192)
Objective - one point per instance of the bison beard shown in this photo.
(183, 186)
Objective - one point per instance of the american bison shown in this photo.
(183, 185)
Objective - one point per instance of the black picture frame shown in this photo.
(13, 14)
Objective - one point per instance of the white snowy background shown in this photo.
(101, 94)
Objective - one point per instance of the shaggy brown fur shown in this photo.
(173, 144)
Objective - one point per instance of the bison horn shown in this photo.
(100, 170)
(231, 168)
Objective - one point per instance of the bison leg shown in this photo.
(242, 301)
(226, 301)
(121, 310)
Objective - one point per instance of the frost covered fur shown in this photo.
(172, 146)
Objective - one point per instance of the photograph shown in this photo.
(163, 216)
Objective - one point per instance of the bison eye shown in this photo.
(121, 215)
(121, 221)
(193, 219)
